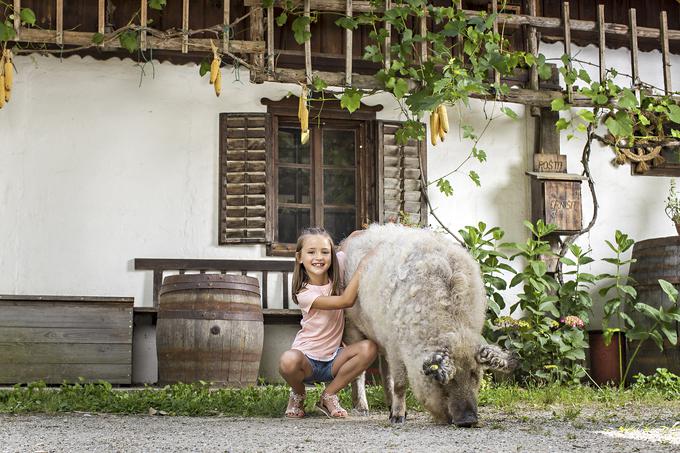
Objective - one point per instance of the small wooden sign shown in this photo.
(563, 204)
(554, 163)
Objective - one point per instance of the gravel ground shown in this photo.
(628, 429)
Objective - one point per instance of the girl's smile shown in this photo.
(316, 258)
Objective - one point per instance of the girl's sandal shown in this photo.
(330, 406)
(296, 404)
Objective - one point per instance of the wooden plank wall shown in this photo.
(615, 11)
(56, 339)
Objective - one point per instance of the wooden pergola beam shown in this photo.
(79, 38)
(503, 18)
(541, 98)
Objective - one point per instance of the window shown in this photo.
(351, 172)
(317, 184)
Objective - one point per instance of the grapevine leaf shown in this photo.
(475, 178)
(98, 39)
(204, 68)
(129, 40)
(674, 113)
(7, 32)
(509, 112)
(351, 99)
(300, 29)
(347, 23)
(157, 4)
(27, 16)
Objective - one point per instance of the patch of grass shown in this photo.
(270, 400)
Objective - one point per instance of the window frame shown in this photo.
(331, 114)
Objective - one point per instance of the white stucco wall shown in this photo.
(96, 170)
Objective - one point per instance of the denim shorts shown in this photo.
(321, 371)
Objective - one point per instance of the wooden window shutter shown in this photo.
(243, 179)
(399, 176)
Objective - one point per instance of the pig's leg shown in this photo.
(400, 382)
(387, 381)
(359, 401)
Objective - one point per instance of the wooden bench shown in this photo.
(263, 267)
(59, 338)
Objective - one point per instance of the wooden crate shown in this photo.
(56, 338)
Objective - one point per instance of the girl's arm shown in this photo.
(347, 298)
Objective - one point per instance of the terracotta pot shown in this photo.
(604, 359)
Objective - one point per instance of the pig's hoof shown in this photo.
(397, 419)
(360, 411)
(439, 367)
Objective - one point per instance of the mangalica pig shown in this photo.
(422, 300)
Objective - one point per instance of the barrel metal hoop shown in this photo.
(188, 286)
(211, 315)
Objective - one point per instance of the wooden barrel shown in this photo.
(655, 259)
(210, 328)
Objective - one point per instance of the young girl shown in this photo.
(316, 354)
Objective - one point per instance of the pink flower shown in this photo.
(573, 321)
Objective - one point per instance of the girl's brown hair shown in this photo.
(300, 277)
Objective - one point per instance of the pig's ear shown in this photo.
(439, 366)
(496, 358)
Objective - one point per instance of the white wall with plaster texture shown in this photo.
(96, 170)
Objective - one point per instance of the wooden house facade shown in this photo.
(118, 168)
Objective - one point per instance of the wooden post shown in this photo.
(388, 38)
(60, 22)
(17, 16)
(256, 34)
(308, 47)
(348, 46)
(458, 4)
(494, 10)
(143, 18)
(665, 57)
(101, 16)
(227, 21)
(270, 39)
(567, 44)
(632, 26)
(533, 49)
(185, 26)
(423, 33)
(601, 41)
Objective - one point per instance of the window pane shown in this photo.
(339, 223)
(291, 222)
(290, 148)
(339, 187)
(338, 148)
(294, 185)
(671, 155)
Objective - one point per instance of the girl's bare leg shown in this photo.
(351, 362)
(294, 368)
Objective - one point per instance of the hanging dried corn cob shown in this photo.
(2, 81)
(443, 118)
(303, 116)
(218, 83)
(215, 73)
(434, 127)
(8, 73)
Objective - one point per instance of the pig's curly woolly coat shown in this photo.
(419, 294)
